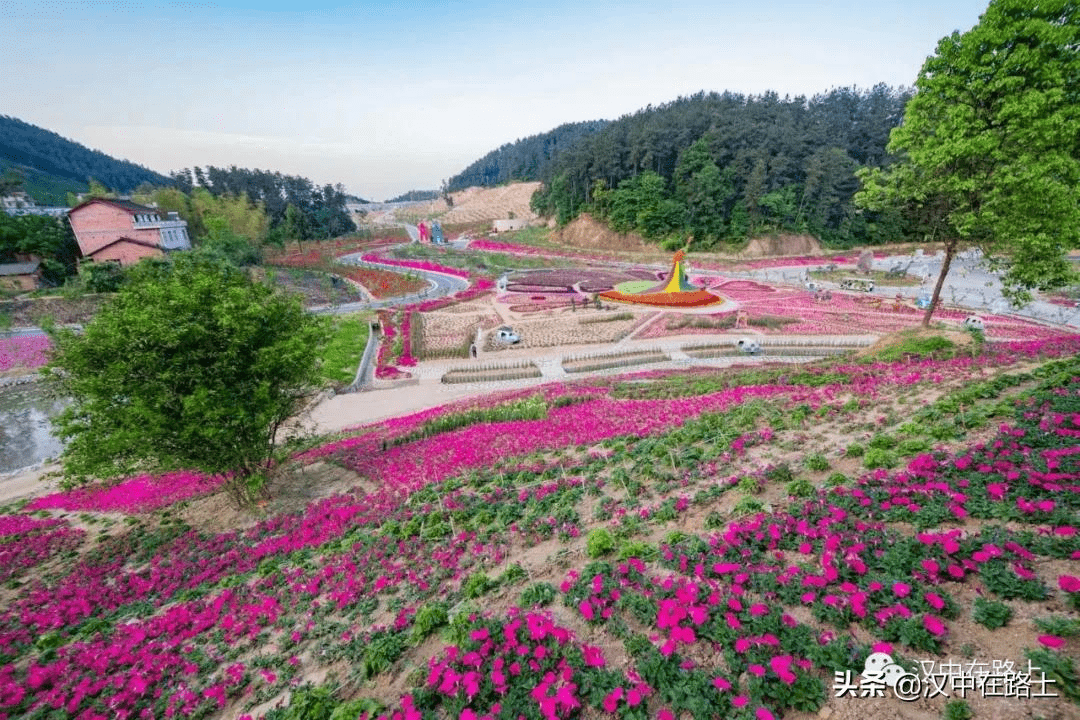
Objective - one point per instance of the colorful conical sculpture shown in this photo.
(674, 291)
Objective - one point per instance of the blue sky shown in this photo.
(390, 97)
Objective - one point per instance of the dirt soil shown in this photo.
(26, 312)
(781, 245)
(479, 204)
(588, 233)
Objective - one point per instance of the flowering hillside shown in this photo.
(714, 543)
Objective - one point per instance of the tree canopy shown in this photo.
(526, 159)
(49, 238)
(990, 144)
(323, 208)
(42, 154)
(730, 166)
(191, 365)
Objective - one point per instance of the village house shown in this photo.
(125, 232)
(20, 276)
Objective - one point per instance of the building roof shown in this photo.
(23, 268)
(132, 241)
(125, 205)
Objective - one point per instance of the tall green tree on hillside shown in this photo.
(48, 238)
(991, 145)
(191, 365)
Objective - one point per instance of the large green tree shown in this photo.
(990, 145)
(48, 238)
(191, 365)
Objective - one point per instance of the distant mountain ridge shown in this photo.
(525, 160)
(52, 165)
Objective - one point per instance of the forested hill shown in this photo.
(722, 167)
(523, 160)
(52, 165)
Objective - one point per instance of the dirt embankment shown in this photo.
(588, 233)
(477, 204)
(781, 246)
(25, 312)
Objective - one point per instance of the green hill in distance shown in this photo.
(52, 166)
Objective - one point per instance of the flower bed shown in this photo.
(416, 265)
(390, 353)
(692, 299)
(743, 616)
(564, 330)
(24, 352)
(140, 494)
(27, 542)
(380, 283)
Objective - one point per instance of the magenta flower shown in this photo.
(934, 625)
(611, 702)
(1051, 641)
(1069, 583)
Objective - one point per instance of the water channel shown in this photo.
(25, 429)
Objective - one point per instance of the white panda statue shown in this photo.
(974, 322)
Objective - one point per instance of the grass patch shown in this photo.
(341, 355)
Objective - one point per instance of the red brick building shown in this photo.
(125, 232)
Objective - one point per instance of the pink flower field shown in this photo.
(24, 352)
(664, 544)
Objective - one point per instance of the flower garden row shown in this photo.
(27, 352)
(395, 348)
(380, 283)
(165, 621)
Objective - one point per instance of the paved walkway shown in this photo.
(387, 399)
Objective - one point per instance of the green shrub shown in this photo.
(882, 441)
(854, 450)
(1058, 668)
(879, 458)
(913, 446)
(1059, 625)
(429, 616)
(801, 488)
(715, 520)
(836, 479)
(748, 506)
(816, 462)
(599, 542)
(476, 585)
(636, 548)
(991, 613)
(514, 573)
(957, 710)
(538, 594)
(779, 473)
(750, 485)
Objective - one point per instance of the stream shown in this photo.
(25, 430)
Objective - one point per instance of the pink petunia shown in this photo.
(611, 702)
(1069, 583)
(594, 657)
(934, 625)
(1051, 641)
